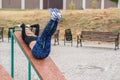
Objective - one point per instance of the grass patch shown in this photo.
(118, 21)
(116, 30)
(76, 20)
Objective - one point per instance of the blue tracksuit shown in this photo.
(43, 45)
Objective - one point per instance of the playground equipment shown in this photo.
(45, 68)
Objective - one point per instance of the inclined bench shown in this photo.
(4, 74)
(45, 68)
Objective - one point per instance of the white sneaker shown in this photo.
(53, 14)
(58, 13)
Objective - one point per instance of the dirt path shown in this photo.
(90, 62)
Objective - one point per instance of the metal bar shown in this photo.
(28, 63)
(29, 70)
(118, 3)
(84, 4)
(36, 73)
(12, 58)
(0, 4)
(102, 4)
(22, 4)
(12, 53)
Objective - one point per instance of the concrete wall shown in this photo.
(52, 4)
(11, 3)
(32, 4)
(36, 4)
(78, 4)
(109, 4)
(89, 4)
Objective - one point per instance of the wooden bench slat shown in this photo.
(100, 39)
(4, 74)
(94, 35)
(45, 68)
(98, 33)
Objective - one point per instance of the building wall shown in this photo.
(78, 4)
(53, 4)
(32, 4)
(35, 4)
(89, 4)
(109, 4)
(11, 3)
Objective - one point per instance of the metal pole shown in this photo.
(64, 4)
(118, 3)
(29, 70)
(0, 4)
(102, 4)
(84, 4)
(41, 4)
(22, 4)
(12, 53)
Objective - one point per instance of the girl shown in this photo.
(41, 45)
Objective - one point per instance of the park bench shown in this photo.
(68, 36)
(4, 74)
(1, 33)
(99, 36)
(9, 36)
(45, 68)
(56, 37)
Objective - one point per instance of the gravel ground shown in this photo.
(91, 62)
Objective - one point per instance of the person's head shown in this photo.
(29, 32)
(27, 29)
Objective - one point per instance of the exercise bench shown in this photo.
(45, 68)
(4, 74)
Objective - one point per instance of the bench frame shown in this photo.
(45, 68)
(99, 36)
(1, 33)
(56, 37)
(68, 37)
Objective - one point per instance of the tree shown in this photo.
(116, 1)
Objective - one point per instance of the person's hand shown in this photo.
(22, 25)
